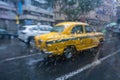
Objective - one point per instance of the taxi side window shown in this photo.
(77, 29)
(88, 29)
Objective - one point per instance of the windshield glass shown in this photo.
(57, 29)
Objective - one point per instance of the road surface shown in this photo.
(19, 62)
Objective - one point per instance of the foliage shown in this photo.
(73, 9)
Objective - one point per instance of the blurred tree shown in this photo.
(73, 9)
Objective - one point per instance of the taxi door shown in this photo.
(77, 35)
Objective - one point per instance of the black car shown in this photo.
(5, 34)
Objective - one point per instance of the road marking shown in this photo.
(19, 57)
(95, 63)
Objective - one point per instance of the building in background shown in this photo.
(36, 11)
(24, 12)
(59, 17)
(101, 15)
(7, 14)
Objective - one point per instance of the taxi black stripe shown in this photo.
(68, 39)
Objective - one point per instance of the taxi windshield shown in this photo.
(57, 29)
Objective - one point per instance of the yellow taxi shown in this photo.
(67, 38)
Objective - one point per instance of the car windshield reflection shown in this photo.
(57, 29)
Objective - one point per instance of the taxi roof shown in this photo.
(72, 23)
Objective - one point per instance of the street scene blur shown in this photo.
(59, 39)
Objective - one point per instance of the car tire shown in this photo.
(69, 52)
(101, 43)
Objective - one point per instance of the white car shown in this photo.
(27, 33)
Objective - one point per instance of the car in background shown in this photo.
(5, 34)
(116, 31)
(27, 33)
(110, 27)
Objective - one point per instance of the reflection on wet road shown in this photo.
(30, 68)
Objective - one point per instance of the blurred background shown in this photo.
(14, 13)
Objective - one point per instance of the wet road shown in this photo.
(18, 62)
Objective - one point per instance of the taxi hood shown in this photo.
(50, 36)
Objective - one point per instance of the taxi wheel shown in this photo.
(69, 52)
(101, 44)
